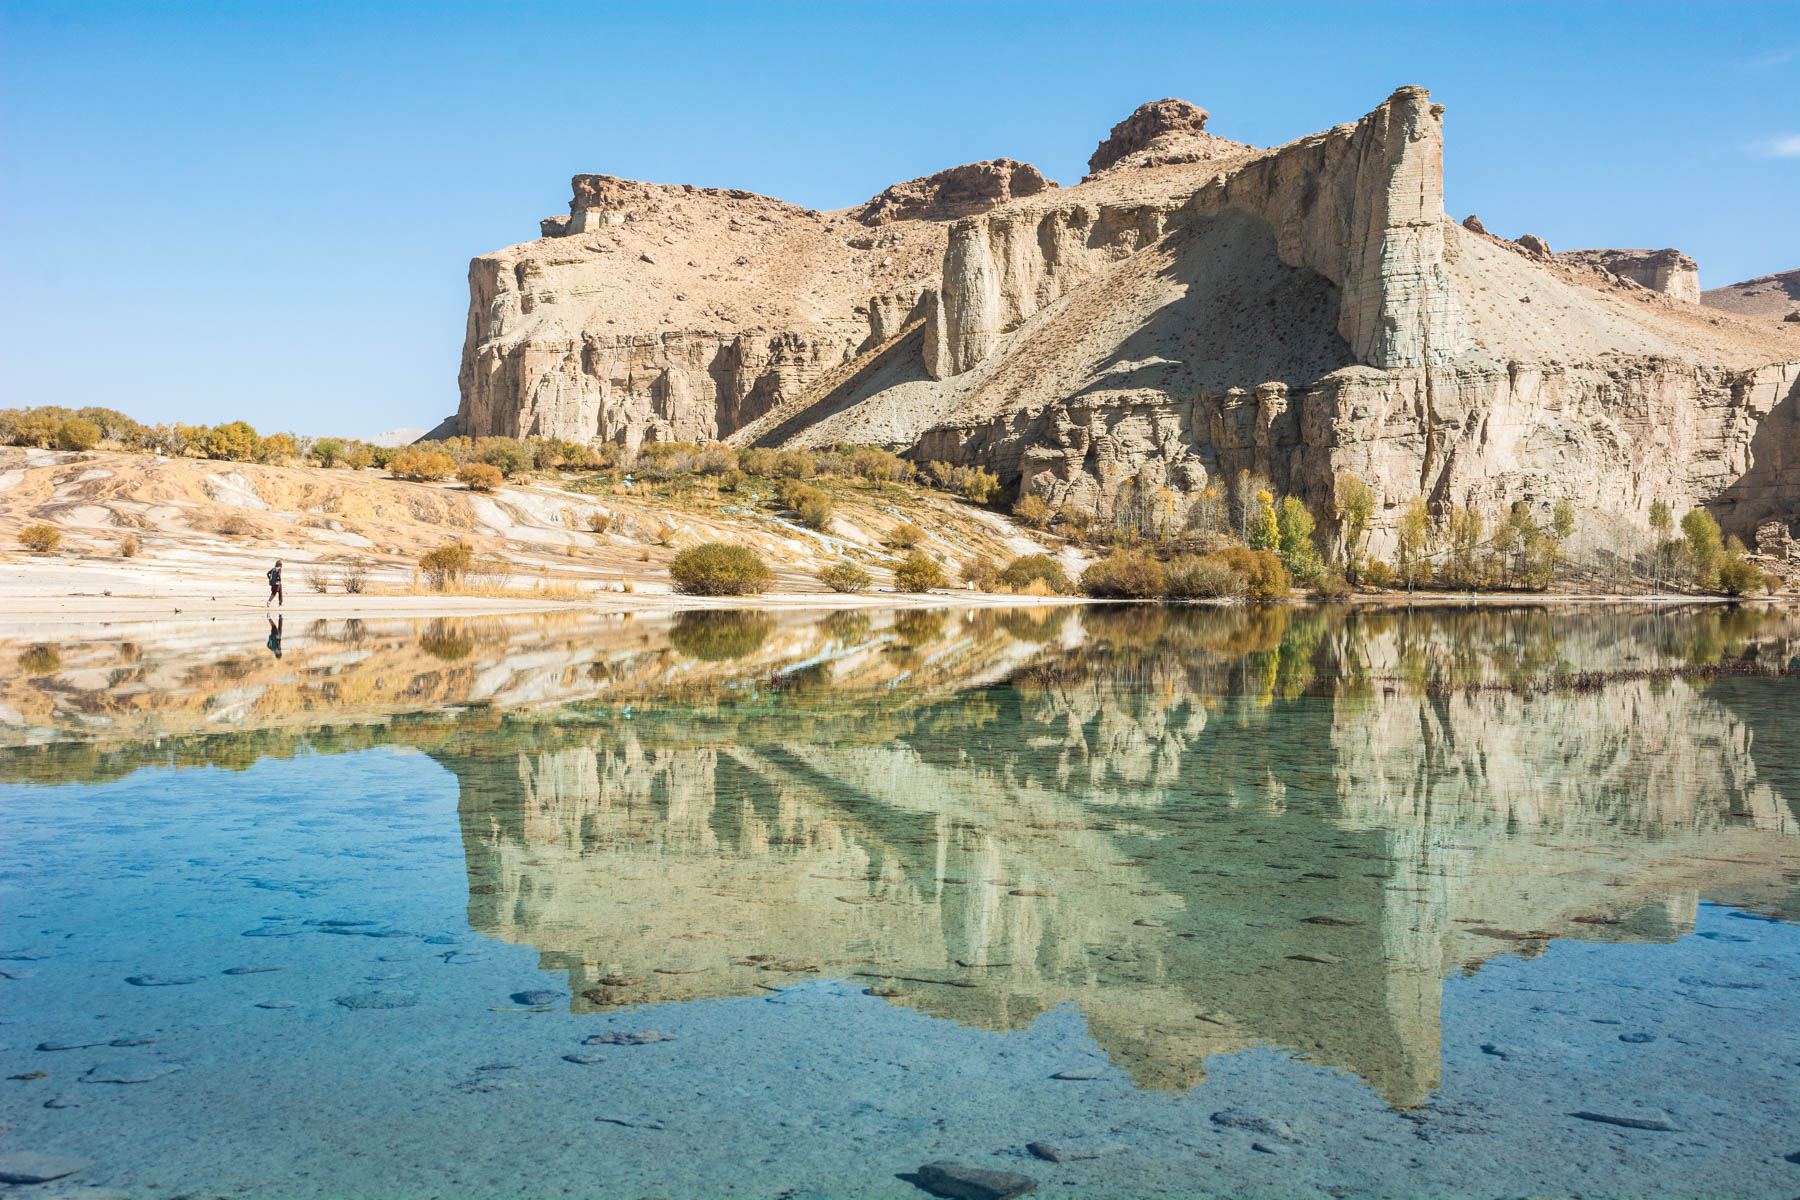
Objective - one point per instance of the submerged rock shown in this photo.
(964, 1182)
(130, 1072)
(542, 996)
(1658, 1124)
(159, 980)
(1255, 1122)
(375, 1000)
(31, 1166)
(633, 1037)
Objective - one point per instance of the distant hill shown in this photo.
(1773, 297)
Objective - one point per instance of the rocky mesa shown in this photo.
(1194, 308)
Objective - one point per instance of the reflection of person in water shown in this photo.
(275, 634)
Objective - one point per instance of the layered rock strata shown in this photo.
(1193, 309)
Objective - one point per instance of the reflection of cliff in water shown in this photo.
(1206, 833)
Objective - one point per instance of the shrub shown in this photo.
(40, 538)
(598, 521)
(1261, 569)
(128, 546)
(1075, 521)
(794, 464)
(719, 636)
(235, 526)
(479, 477)
(879, 466)
(1125, 575)
(421, 465)
(981, 486)
(845, 576)
(814, 508)
(718, 569)
(1032, 512)
(1771, 583)
(1378, 574)
(1193, 578)
(356, 576)
(918, 572)
(904, 536)
(507, 455)
(277, 448)
(445, 566)
(1027, 569)
(759, 461)
(317, 579)
(359, 457)
(328, 452)
(716, 459)
(1330, 585)
(982, 573)
(77, 434)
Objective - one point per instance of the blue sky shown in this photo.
(212, 211)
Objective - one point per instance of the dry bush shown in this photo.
(40, 538)
(1205, 579)
(128, 546)
(356, 576)
(598, 521)
(918, 572)
(982, 573)
(479, 477)
(905, 537)
(235, 526)
(77, 434)
(1032, 512)
(1028, 569)
(317, 579)
(718, 569)
(446, 565)
(1127, 575)
(421, 465)
(1262, 571)
(845, 576)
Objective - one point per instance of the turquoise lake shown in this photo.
(1258, 902)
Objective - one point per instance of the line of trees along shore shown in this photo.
(1236, 538)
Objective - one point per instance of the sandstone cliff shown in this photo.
(1193, 308)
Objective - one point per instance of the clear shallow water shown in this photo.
(1369, 892)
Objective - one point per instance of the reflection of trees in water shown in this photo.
(720, 636)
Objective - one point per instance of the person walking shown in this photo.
(275, 595)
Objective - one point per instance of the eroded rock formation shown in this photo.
(1193, 309)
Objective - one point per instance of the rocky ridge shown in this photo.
(1194, 308)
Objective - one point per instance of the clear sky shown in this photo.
(266, 211)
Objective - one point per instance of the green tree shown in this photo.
(1562, 528)
(1294, 528)
(1523, 549)
(328, 451)
(1414, 543)
(235, 441)
(1737, 574)
(1355, 509)
(1703, 547)
(1466, 529)
(1662, 525)
(1265, 526)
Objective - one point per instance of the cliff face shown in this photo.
(1193, 308)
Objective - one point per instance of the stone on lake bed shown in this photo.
(1637, 1039)
(633, 1037)
(70, 1045)
(277, 1004)
(585, 1060)
(159, 980)
(1658, 1124)
(253, 970)
(1080, 1073)
(1255, 1122)
(377, 1000)
(1059, 1152)
(533, 999)
(271, 931)
(135, 1071)
(965, 1182)
(30, 1166)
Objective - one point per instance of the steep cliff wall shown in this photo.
(1193, 308)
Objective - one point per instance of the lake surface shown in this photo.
(1256, 902)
